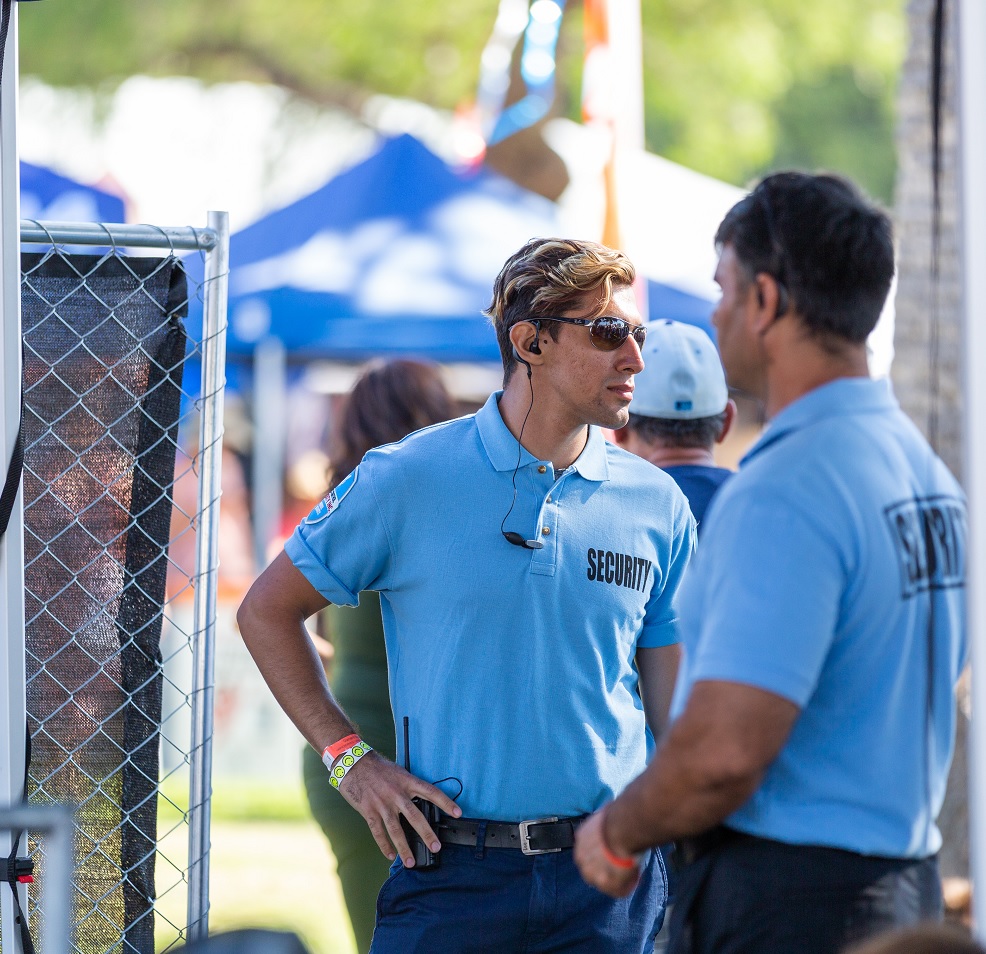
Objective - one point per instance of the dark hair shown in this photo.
(698, 432)
(548, 276)
(824, 242)
(388, 401)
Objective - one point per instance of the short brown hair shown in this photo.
(547, 277)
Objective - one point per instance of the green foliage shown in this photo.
(732, 88)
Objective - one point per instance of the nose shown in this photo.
(630, 357)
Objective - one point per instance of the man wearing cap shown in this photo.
(823, 619)
(530, 627)
(681, 410)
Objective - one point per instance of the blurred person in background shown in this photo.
(823, 621)
(388, 401)
(680, 411)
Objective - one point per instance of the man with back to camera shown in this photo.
(680, 410)
(823, 619)
(520, 603)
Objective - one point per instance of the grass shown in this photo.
(270, 865)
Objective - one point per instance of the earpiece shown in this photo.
(525, 363)
(535, 348)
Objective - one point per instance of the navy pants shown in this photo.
(504, 902)
(755, 896)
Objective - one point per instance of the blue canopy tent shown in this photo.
(397, 255)
(48, 196)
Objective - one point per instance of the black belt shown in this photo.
(538, 836)
(688, 850)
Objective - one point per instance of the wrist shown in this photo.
(349, 751)
(335, 749)
(623, 862)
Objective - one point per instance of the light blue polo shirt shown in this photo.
(818, 564)
(515, 667)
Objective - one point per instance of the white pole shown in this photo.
(13, 695)
(972, 205)
(626, 58)
(206, 573)
(269, 414)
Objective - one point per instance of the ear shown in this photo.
(523, 334)
(728, 422)
(768, 301)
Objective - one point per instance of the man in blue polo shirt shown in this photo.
(528, 573)
(823, 620)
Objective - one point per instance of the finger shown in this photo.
(396, 834)
(437, 797)
(417, 820)
(380, 837)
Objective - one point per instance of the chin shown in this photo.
(613, 419)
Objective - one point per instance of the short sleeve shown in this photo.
(775, 583)
(342, 547)
(661, 615)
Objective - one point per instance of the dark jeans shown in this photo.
(750, 895)
(503, 902)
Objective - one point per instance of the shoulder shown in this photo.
(428, 446)
(648, 489)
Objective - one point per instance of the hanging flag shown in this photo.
(540, 25)
(612, 100)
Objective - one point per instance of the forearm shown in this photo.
(271, 620)
(676, 796)
(711, 760)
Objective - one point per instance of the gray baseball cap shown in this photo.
(682, 377)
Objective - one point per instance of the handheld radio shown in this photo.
(424, 857)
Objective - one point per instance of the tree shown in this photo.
(731, 88)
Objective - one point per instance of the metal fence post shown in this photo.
(211, 432)
(13, 706)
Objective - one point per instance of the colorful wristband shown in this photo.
(341, 766)
(337, 748)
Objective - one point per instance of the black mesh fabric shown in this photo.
(104, 346)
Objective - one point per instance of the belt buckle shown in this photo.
(525, 837)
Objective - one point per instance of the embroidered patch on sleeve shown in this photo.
(332, 499)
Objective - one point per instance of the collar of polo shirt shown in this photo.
(501, 445)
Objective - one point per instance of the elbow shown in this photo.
(246, 615)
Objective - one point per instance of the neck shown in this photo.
(801, 364)
(663, 456)
(545, 435)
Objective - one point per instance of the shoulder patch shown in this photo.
(332, 499)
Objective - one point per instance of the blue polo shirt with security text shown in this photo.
(831, 569)
(515, 666)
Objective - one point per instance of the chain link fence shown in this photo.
(122, 431)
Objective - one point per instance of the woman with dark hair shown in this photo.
(388, 402)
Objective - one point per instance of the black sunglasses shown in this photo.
(607, 332)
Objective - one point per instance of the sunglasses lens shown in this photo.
(609, 333)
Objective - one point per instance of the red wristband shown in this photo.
(337, 748)
(615, 860)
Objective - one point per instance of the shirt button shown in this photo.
(545, 531)
(549, 499)
(542, 469)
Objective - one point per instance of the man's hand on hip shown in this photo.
(381, 792)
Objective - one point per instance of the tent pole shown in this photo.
(972, 205)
